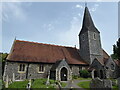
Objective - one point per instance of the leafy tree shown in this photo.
(116, 50)
(3, 57)
(84, 73)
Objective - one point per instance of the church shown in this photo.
(32, 60)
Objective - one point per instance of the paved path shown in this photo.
(73, 84)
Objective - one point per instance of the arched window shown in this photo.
(112, 67)
(94, 36)
(83, 37)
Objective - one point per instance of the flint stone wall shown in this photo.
(99, 83)
(119, 83)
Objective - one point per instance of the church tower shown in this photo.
(89, 39)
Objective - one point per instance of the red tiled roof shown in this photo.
(38, 52)
(105, 55)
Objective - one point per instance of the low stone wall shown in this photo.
(100, 83)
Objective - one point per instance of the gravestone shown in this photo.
(100, 83)
(13, 79)
(119, 83)
(48, 82)
(7, 82)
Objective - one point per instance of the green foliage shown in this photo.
(84, 73)
(0, 84)
(36, 83)
(18, 84)
(41, 83)
(3, 57)
(116, 50)
(85, 84)
(75, 77)
(63, 84)
(84, 78)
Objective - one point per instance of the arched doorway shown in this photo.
(64, 74)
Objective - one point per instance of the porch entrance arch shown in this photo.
(64, 74)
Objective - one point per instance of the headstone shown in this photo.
(6, 83)
(29, 85)
(47, 82)
(13, 77)
(92, 73)
(119, 83)
(100, 83)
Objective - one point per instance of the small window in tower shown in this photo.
(83, 37)
(94, 36)
(112, 67)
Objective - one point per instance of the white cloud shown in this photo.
(48, 27)
(79, 6)
(70, 37)
(13, 10)
(94, 8)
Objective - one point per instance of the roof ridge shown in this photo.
(44, 44)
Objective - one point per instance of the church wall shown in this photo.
(75, 70)
(94, 45)
(12, 67)
(84, 47)
(33, 71)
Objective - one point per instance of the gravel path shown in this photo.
(73, 84)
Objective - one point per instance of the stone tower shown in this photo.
(89, 39)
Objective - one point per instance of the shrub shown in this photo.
(84, 73)
(75, 77)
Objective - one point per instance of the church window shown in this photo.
(80, 68)
(94, 36)
(21, 68)
(41, 68)
(112, 67)
(106, 68)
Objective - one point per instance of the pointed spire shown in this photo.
(87, 21)
(15, 38)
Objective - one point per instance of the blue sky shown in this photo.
(57, 23)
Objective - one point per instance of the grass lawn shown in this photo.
(63, 84)
(18, 84)
(36, 83)
(84, 78)
(85, 84)
(41, 83)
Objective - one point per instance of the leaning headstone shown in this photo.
(29, 85)
(100, 83)
(48, 82)
(119, 83)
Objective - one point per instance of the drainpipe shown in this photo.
(27, 71)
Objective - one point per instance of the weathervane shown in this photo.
(85, 4)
